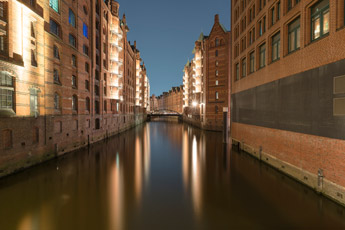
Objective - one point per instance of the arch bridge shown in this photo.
(164, 113)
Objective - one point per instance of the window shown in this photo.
(74, 81)
(6, 91)
(71, 18)
(216, 53)
(97, 107)
(34, 102)
(56, 76)
(33, 57)
(2, 43)
(276, 47)
(87, 85)
(262, 57)
(252, 62)
(216, 72)
(56, 52)
(217, 63)
(216, 82)
(33, 29)
(294, 35)
(97, 90)
(72, 41)
(217, 42)
(273, 16)
(56, 101)
(105, 105)
(54, 4)
(87, 67)
(216, 109)
(86, 50)
(85, 31)
(54, 27)
(289, 4)
(2, 9)
(237, 72)
(278, 10)
(74, 103)
(244, 67)
(87, 104)
(320, 19)
(217, 96)
(74, 60)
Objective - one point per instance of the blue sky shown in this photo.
(165, 32)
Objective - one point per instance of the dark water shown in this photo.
(161, 176)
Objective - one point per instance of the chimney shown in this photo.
(135, 44)
(216, 18)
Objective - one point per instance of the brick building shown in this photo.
(288, 88)
(172, 100)
(153, 103)
(206, 78)
(67, 78)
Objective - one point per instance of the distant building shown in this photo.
(153, 103)
(206, 78)
(172, 100)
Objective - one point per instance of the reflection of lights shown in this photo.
(196, 178)
(195, 104)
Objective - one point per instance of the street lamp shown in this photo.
(194, 104)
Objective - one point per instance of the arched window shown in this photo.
(6, 91)
(56, 101)
(217, 42)
(74, 103)
(87, 104)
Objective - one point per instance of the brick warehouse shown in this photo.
(206, 79)
(67, 78)
(288, 88)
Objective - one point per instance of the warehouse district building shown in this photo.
(288, 88)
(68, 77)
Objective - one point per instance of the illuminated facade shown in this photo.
(206, 78)
(172, 100)
(67, 78)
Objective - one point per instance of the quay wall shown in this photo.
(35, 140)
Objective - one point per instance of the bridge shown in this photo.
(164, 113)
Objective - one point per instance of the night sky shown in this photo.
(165, 32)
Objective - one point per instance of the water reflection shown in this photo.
(161, 175)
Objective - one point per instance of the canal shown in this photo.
(161, 175)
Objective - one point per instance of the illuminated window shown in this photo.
(54, 4)
(85, 31)
(217, 96)
(320, 19)
(276, 47)
(6, 91)
(216, 82)
(216, 72)
(71, 17)
(294, 35)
